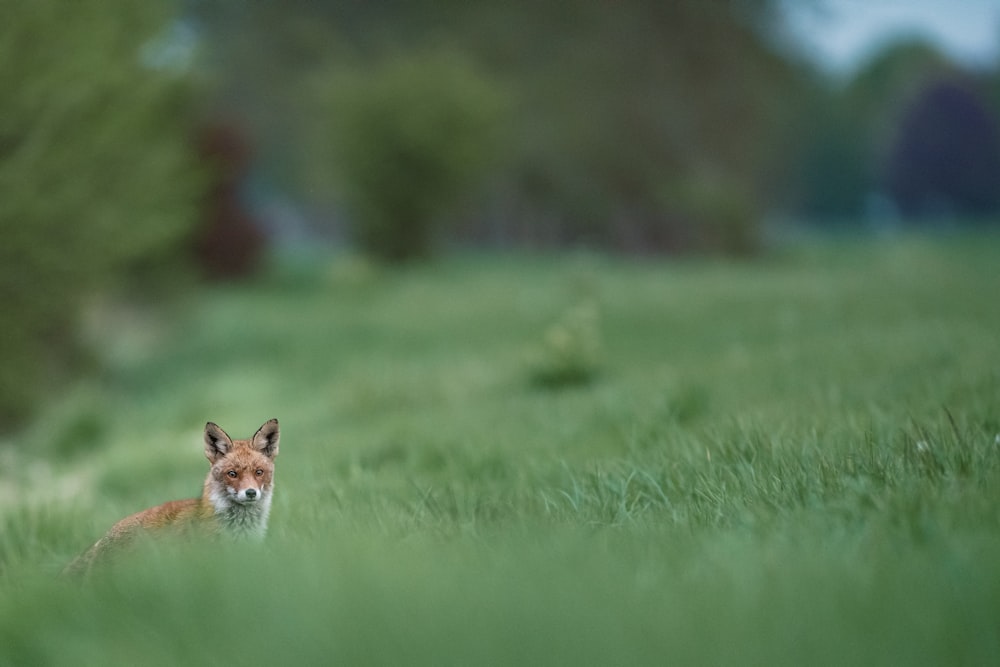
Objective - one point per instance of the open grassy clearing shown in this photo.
(784, 462)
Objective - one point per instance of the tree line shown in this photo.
(135, 138)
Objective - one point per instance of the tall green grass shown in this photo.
(792, 461)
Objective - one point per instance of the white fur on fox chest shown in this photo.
(247, 519)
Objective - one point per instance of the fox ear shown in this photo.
(217, 443)
(266, 439)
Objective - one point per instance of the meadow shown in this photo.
(567, 459)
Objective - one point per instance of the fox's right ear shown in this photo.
(217, 443)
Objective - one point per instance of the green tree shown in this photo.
(412, 135)
(96, 171)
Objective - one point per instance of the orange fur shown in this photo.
(235, 499)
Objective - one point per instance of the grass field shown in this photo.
(560, 460)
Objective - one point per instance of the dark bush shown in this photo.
(229, 242)
(946, 160)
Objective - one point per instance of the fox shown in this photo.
(235, 499)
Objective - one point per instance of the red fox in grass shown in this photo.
(235, 500)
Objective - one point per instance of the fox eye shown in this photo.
(259, 472)
(232, 473)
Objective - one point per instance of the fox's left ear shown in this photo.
(266, 439)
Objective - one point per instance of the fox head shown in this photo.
(242, 473)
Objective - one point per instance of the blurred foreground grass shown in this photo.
(795, 461)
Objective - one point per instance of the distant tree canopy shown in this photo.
(96, 171)
(616, 107)
(640, 125)
(910, 130)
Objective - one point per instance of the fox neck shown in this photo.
(240, 519)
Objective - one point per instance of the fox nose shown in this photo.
(251, 494)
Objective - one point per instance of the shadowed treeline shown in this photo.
(640, 127)
(184, 139)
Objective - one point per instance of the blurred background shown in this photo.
(161, 146)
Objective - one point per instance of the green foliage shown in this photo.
(413, 133)
(571, 349)
(788, 462)
(633, 97)
(609, 107)
(718, 217)
(36, 535)
(96, 173)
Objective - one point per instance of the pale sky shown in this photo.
(842, 34)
